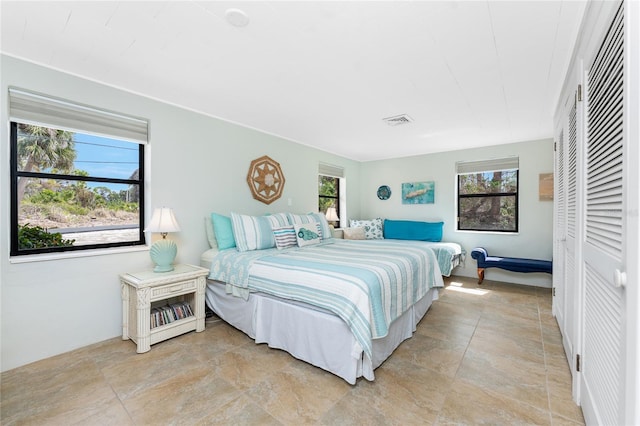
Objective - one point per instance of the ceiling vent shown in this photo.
(398, 120)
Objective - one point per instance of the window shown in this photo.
(77, 176)
(329, 182)
(329, 196)
(488, 195)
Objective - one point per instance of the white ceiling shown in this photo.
(323, 74)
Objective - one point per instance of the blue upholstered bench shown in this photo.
(509, 263)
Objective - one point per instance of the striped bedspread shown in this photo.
(444, 251)
(367, 285)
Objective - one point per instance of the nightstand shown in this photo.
(147, 290)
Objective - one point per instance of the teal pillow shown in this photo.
(413, 230)
(223, 230)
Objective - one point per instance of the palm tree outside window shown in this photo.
(72, 189)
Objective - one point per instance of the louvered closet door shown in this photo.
(566, 249)
(560, 230)
(571, 309)
(603, 346)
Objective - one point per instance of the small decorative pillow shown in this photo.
(353, 233)
(372, 228)
(325, 230)
(285, 236)
(253, 232)
(307, 234)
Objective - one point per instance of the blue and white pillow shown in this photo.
(279, 219)
(320, 219)
(253, 232)
(307, 234)
(285, 237)
(372, 228)
(324, 225)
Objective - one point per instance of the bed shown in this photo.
(449, 255)
(320, 310)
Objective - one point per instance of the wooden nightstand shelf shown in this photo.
(141, 291)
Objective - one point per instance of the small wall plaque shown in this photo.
(545, 187)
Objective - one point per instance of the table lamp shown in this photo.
(163, 252)
(332, 215)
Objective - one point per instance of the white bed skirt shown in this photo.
(311, 334)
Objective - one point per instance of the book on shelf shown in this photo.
(163, 315)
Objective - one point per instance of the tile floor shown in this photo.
(482, 355)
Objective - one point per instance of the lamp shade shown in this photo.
(332, 215)
(163, 221)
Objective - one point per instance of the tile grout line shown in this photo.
(455, 375)
(115, 393)
(475, 327)
(544, 353)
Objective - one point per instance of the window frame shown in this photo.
(15, 174)
(489, 195)
(336, 198)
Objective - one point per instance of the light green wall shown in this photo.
(197, 164)
(534, 239)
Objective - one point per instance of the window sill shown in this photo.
(464, 231)
(44, 257)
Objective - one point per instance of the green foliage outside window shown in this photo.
(52, 192)
(328, 194)
(33, 237)
(488, 201)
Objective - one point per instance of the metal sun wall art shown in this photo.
(265, 179)
(418, 192)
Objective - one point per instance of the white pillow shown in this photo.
(353, 233)
(372, 228)
(211, 236)
(307, 234)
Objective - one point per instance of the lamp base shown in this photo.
(163, 253)
(163, 268)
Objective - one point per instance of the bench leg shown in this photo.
(480, 275)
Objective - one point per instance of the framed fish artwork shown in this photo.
(418, 192)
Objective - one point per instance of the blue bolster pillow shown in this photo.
(413, 230)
